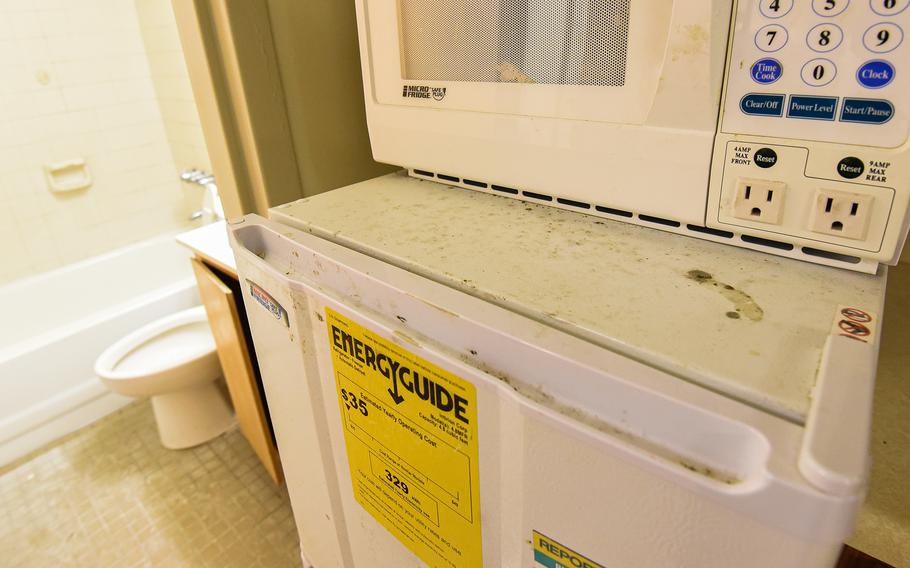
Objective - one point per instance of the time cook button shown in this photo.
(766, 71)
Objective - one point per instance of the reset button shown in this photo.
(850, 167)
(765, 157)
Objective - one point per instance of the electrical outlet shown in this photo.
(841, 214)
(759, 200)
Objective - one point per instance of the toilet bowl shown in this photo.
(173, 361)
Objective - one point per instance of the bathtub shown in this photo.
(55, 324)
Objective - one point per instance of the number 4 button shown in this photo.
(775, 8)
(818, 72)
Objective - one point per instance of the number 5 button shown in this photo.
(818, 72)
(883, 37)
(829, 8)
(771, 38)
(824, 38)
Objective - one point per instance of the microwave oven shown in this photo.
(776, 125)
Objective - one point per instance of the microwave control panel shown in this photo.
(812, 145)
(826, 70)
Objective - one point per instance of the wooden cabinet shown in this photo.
(220, 294)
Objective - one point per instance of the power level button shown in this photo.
(850, 168)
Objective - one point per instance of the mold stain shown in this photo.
(743, 303)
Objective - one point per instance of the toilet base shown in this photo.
(192, 416)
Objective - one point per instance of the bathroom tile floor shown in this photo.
(111, 495)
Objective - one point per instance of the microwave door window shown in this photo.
(568, 42)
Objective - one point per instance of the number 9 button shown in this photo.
(883, 37)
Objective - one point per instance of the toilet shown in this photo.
(173, 361)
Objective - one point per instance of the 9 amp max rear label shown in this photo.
(410, 430)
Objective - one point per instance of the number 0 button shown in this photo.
(888, 7)
(883, 37)
(771, 38)
(775, 8)
(818, 72)
(824, 38)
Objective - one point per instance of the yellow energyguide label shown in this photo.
(410, 430)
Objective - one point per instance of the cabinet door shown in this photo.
(221, 307)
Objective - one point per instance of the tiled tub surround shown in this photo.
(79, 81)
(110, 495)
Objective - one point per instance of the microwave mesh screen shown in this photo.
(551, 42)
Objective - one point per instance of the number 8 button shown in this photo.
(824, 37)
(888, 7)
(818, 72)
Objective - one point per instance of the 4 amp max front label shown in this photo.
(549, 553)
(410, 430)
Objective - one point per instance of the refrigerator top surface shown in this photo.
(739, 322)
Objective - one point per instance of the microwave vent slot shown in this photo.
(562, 42)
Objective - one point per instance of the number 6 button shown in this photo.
(888, 7)
(818, 72)
(824, 38)
(883, 37)
(829, 8)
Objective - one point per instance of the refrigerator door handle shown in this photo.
(835, 450)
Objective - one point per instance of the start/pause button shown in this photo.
(850, 167)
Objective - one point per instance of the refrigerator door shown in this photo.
(506, 442)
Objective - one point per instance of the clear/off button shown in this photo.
(761, 104)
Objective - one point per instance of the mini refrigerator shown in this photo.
(460, 380)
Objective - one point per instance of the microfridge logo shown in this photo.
(423, 92)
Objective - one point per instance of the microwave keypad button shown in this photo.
(761, 104)
(765, 158)
(875, 74)
(867, 111)
(824, 38)
(850, 168)
(883, 37)
(829, 8)
(771, 38)
(889, 7)
(813, 108)
(766, 71)
(775, 8)
(818, 72)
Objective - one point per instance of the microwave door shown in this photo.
(565, 44)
